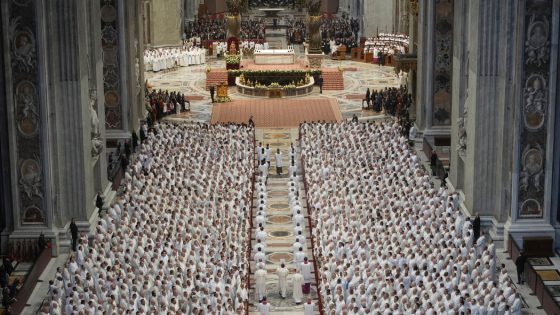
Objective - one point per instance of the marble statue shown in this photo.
(96, 141)
(462, 143)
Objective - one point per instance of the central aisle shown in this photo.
(279, 226)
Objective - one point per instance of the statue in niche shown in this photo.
(537, 43)
(96, 141)
(462, 143)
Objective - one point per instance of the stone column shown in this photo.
(435, 66)
(6, 215)
(27, 116)
(535, 97)
(133, 66)
(555, 198)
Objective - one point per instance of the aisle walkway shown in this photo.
(279, 227)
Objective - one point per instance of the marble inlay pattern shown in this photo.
(280, 228)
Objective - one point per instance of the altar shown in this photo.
(274, 57)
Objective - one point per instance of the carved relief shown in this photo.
(23, 54)
(462, 143)
(33, 215)
(443, 37)
(96, 140)
(111, 63)
(532, 168)
(30, 178)
(26, 109)
(534, 108)
(535, 101)
(537, 43)
(530, 208)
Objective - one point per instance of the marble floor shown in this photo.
(279, 226)
(358, 76)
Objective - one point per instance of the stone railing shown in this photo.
(275, 92)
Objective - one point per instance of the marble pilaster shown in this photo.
(433, 111)
(535, 97)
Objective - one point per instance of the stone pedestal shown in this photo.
(315, 60)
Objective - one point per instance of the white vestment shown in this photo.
(308, 309)
(306, 272)
(260, 285)
(298, 293)
(264, 309)
(282, 280)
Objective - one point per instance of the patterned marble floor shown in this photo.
(279, 226)
(358, 76)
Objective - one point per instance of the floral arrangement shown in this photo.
(233, 59)
(223, 99)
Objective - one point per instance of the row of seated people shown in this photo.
(207, 29)
(343, 30)
(387, 241)
(176, 241)
(252, 29)
(162, 103)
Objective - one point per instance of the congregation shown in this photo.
(162, 103)
(388, 242)
(207, 29)
(176, 241)
(252, 29)
(394, 101)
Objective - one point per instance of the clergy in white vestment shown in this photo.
(264, 307)
(297, 291)
(306, 271)
(282, 273)
(260, 283)
(278, 162)
(308, 308)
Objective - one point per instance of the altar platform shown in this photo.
(249, 64)
(277, 112)
(274, 57)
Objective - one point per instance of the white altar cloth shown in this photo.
(274, 56)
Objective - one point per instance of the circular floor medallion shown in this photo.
(280, 233)
(279, 219)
